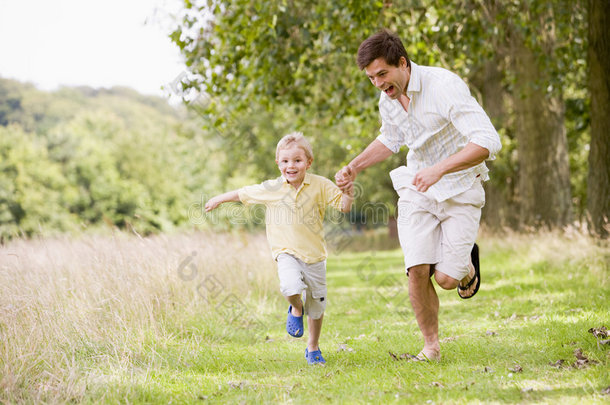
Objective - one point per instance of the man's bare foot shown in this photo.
(469, 285)
(427, 355)
(464, 290)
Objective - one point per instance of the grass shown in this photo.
(198, 319)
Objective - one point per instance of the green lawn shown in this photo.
(537, 302)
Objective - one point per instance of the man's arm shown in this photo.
(470, 156)
(374, 153)
(230, 196)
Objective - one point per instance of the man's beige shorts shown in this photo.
(440, 233)
(296, 276)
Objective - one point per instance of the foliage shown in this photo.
(81, 157)
(256, 71)
(296, 60)
(33, 191)
(263, 69)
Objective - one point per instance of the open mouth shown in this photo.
(389, 91)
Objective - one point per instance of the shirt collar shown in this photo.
(415, 80)
(306, 179)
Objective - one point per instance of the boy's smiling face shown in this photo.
(293, 164)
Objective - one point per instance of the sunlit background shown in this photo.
(87, 42)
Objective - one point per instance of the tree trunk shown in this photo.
(544, 171)
(598, 185)
(499, 210)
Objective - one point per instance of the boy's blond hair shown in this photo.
(299, 140)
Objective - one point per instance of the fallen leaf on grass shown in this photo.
(579, 356)
(240, 385)
(437, 384)
(600, 332)
(344, 348)
(600, 335)
(581, 360)
(451, 338)
(402, 356)
(516, 369)
(558, 364)
(488, 370)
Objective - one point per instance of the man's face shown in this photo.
(392, 80)
(293, 164)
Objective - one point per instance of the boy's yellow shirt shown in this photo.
(294, 218)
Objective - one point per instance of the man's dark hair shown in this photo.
(384, 44)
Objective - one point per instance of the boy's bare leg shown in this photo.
(297, 304)
(315, 328)
(424, 301)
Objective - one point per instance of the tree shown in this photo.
(289, 55)
(598, 195)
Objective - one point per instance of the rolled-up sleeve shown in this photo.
(469, 118)
(389, 134)
(332, 195)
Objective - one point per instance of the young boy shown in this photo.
(295, 205)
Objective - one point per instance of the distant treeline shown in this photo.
(78, 157)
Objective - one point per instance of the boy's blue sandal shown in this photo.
(314, 357)
(474, 257)
(294, 324)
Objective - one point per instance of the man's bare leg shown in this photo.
(449, 283)
(424, 301)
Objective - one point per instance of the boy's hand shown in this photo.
(345, 179)
(348, 189)
(212, 203)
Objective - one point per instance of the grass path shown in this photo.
(514, 342)
(528, 315)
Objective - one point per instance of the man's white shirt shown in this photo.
(442, 118)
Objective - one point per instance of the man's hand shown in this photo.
(426, 178)
(345, 179)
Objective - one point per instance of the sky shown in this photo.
(97, 43)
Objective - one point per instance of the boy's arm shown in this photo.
(347, 198)
(222, 198)
(373, 154)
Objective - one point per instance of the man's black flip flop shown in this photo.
(474, 256)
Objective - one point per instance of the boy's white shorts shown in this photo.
(296, 276)
(440, 233)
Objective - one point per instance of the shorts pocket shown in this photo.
(319, 294)
(474, 196)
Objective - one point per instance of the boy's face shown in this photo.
(293, 164)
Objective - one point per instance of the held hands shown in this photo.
(345, 179)
(426, 178)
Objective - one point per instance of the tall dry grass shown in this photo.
(571, 246)
(104, 298)
(78, 315)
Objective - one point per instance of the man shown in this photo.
(449, 136)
